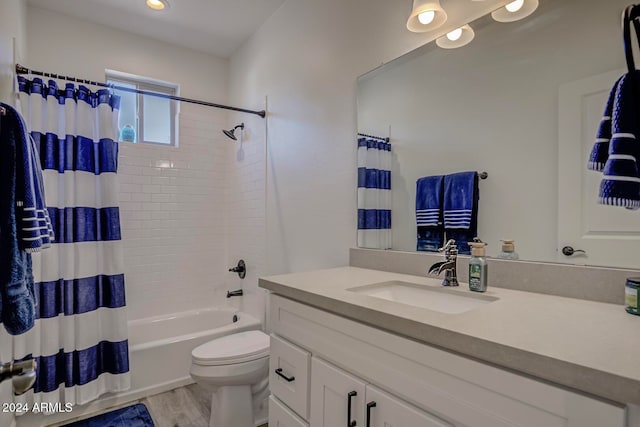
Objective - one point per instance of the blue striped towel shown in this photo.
(460, 195)
(429, 200)
(617, 137)
(35, 231)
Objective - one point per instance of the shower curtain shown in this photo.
(374, 194)
(80, 336)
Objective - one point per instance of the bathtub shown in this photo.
(159, 356)
(160, 347)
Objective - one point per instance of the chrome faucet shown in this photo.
(450, 251)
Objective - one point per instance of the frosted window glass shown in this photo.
(128, 108)
(157, 119)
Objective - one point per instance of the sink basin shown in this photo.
(437, 299)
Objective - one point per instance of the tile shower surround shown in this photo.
(172, 212)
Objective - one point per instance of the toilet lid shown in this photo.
(234, 348)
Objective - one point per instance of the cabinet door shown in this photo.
(281, 416)
(384, 410)
(335, 395)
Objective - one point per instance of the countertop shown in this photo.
(588, 346)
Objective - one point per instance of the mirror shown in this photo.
(493, 106)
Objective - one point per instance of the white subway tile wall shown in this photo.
(246, 211)
(172, 208)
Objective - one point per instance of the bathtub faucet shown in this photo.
(237, 293)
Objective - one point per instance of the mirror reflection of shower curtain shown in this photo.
(80, 338)
(374, 194)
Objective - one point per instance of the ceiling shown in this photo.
(217, 27)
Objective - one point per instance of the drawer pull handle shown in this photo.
(350, 395)
(286, 378)
(369, 406)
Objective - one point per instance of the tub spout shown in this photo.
(237, 293)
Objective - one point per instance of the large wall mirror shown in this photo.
(521, 102)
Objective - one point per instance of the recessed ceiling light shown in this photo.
(157, 4)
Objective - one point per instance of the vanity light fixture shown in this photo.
(515, 10)
(426, 15)
(157, 4)
(457, 38)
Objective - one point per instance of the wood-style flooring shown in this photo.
(188, 406)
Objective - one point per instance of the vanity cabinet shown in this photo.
(411, 383)
(281, 416)
(343, 399)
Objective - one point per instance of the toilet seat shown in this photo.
(231, 349)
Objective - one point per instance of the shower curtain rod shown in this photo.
(24, 70)
(374, 137)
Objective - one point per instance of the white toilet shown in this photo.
(235, 369)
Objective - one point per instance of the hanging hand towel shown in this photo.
(429, 213)
(600, 150)
(461, 208)
(620, 185)
(19, 189)
(35, 231)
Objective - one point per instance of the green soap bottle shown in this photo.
(478, 266)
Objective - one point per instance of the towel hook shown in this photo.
(630, 14)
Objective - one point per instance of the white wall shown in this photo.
(172, 199)
(492, 106)
(13, 15)
(306, 59)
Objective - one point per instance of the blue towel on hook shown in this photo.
(460, 207)
(35, 231)
(620, 185)
(17, 296)
(429, 213)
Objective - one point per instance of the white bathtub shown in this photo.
(160, 347)
(159, 356)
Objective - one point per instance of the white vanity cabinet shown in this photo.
(342, 399)
(411, 383)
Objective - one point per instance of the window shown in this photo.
(146, 118)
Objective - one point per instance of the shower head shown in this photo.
(231, 133)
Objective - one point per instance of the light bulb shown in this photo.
(455, 34)
(427, 17)
(156, 4)
(514, 6)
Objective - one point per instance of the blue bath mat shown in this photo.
(131, 416)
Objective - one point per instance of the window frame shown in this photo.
(152, 85)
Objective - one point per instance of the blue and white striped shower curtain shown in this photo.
(374, 194)
(80, 337)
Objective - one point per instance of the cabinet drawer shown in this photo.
(281, 416)
(289, 367)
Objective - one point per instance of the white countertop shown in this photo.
(589, 346)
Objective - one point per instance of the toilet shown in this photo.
(234, 369)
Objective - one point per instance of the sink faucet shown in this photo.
(450, 251)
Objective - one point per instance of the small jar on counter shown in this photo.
(631, 295)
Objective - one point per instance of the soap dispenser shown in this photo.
(508, 250)
(478, 266)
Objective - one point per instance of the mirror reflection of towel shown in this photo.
(429, 194)
(461, 208)
(616, 152)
